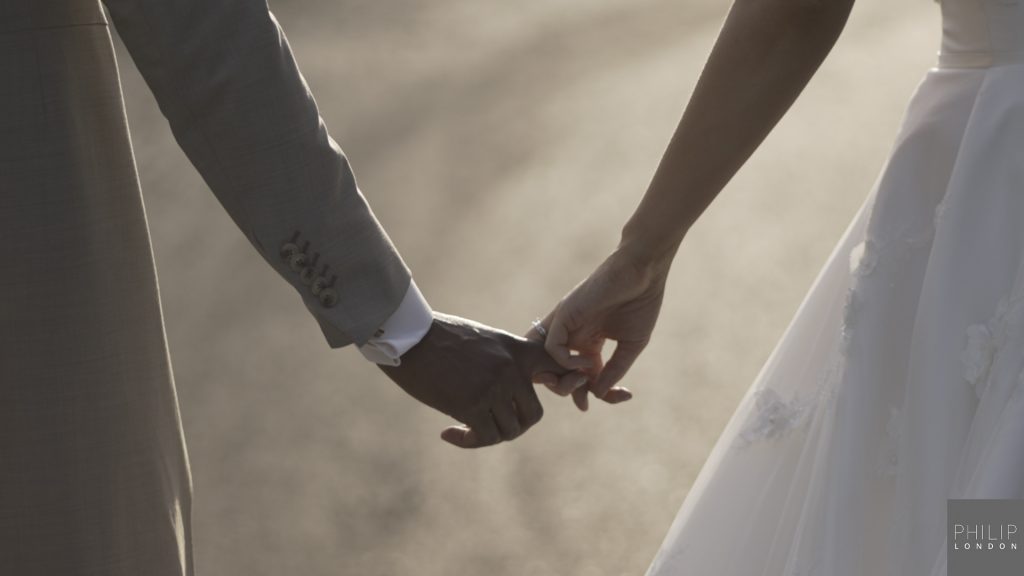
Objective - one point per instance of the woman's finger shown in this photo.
(539, 330)
(557, 345)
(617, 395)
(622, 359)
(579, 397)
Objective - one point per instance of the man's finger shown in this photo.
(459, 436)
(551, 382)
(622, 359)
(465, 437)
(528, 407)
(482, 433)
(569, 382)
(549, 379)
(506, 418)
(559, 385)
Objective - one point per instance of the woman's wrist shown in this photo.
(648, 251)
(650, 259)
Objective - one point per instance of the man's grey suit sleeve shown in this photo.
(225, 78)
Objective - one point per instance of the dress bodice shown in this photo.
(982, 32)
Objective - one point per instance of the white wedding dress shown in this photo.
(900, 381)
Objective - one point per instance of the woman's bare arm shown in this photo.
(766, 53)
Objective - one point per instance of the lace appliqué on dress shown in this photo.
(774, 417)
(864, 258)
(984, 341)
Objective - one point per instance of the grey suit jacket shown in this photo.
(94, 477)
(225, 78)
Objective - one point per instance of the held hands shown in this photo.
(481, 376)
(619, 301)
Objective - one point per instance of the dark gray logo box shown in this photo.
(985, 537)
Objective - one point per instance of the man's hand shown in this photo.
(481, 376)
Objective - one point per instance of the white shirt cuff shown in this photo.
(403, 330)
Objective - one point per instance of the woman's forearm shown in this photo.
(765, 54)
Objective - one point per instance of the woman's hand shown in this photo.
(619, 301)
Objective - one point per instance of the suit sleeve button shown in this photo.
(289, 249)
(307, 275)
(328, 297)
(297, 262)
(319, 283)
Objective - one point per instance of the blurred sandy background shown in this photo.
(502, 144)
